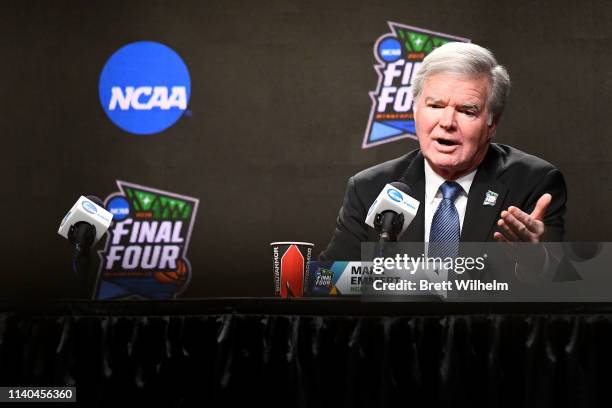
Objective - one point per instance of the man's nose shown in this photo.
(447, 119)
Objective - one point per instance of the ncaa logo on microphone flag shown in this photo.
(144, 87)
(146, 251)
(89, 207)
(394, 195)
(399, 55)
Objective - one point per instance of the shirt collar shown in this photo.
(433, 181)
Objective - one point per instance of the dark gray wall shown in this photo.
(279, 106)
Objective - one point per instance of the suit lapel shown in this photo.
(414, 177)
(480, 219)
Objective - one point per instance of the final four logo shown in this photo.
(399, 55)
(145, 254)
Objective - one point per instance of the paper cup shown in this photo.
(289, 264)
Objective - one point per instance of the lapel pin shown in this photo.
(490, 198)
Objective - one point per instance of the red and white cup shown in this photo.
(289, 264)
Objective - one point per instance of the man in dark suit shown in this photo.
(470, 190)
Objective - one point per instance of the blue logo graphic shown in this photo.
(389, 49)
(144, 87)
(394, 195)
(119, 207)
(89, 207)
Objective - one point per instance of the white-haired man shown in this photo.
(471, 190)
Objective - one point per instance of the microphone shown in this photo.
(84, 225)
(86, 222)
(392, 211)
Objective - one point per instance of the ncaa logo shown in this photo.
(394, 195)
(119, 207)
(144, 87)
(389, 49)
(89, 207)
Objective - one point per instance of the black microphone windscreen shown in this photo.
(96, 200)
(404, 188)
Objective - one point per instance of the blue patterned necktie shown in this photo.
(445, 228)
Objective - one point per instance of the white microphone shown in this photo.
(87, 211)
(392, 211)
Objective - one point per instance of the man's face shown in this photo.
(451, 123)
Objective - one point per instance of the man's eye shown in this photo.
(433, 105)
(469, 113)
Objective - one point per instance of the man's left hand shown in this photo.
(518, 226)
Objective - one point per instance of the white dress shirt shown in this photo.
(433, 196)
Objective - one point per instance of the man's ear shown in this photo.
(492, 124)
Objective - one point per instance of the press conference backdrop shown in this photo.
(269, 122)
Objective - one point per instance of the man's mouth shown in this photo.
(446, 142)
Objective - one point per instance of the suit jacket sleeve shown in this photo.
(350, 230)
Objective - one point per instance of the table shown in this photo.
(311, 352)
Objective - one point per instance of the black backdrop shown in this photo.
(279, 104)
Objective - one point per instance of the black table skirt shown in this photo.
(311, 353)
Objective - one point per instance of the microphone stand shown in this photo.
(82, 235)
(388, 224)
